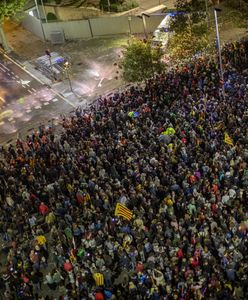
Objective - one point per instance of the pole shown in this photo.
(219, 47)
(69, 80)
(43, 8)
(90, 27)
(42, 29)
(129, 24)
(207, 15)
(66, 66)
(144, 25)
(108, 6)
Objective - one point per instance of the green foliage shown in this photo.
(185, 45)
(118, 5)
(238, 14)
(9, 8)
(51, 17)
(190, 28)
(141, 61)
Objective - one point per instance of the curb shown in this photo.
(20, 65)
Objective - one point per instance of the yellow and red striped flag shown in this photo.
(122, 211)
(227, 139)
(99, 279)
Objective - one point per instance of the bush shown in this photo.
(51, 17)
(117, 6)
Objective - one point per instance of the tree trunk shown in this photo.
(3, 40)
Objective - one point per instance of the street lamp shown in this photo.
(219, 47)
(129, 18)
(41, 24)
(144, 23)
(66, 67)
(207, 14)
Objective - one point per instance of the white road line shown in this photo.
(2, 69)
(55, 100)
(28, 111)
(12, 73)
(37, 107)
(16, 76)
(1, 99)
(9, 74)
(45, 103)
(40, 81)
(30, 92)
(34, 90)
(4, 66)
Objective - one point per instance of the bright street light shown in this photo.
(66, 67)
(219, 48)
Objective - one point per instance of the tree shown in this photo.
(141, 61)
(8, 9)
(188, 43)
(191, 33)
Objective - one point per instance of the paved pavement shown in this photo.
(24, 101)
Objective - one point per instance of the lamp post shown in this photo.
(43, 7)
(144, 23)
(219, 47)
(207, 15)
(66, 67)
(41, 24)
(129, 18)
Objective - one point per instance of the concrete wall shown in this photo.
(69, 14)
(96, 27)
(33, 24)
(71, 29)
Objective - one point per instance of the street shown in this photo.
(24, 101)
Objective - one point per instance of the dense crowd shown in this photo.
(175, 153)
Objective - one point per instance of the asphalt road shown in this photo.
(24, 101)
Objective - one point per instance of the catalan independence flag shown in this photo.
(122, 211)
(99, 279)
(227, 139)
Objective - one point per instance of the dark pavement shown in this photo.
(24, 101)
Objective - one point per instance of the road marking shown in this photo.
(100, 83)
(2, 69)
(16, 76)
(37, 107)
(28, 111)
(4, 66)
(55, 100)
(36, 78)
(30, 92)
(12, 73)
(1, 99)
(33, 89)
(9, 73)
(45, 103)
(10, 119)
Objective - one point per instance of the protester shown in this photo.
(174, 152)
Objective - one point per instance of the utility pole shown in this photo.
(207, 13)
(66, 67)
(219, 49)
(41, 24)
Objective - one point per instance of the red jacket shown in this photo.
(43, 209)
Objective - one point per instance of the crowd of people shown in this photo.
(174, 152)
